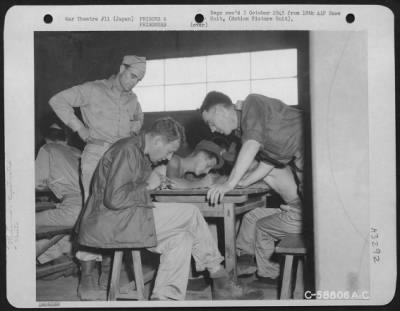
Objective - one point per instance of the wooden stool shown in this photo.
(294, 250)
(53, 234)
(134, 289)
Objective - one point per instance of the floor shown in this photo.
(64, 289)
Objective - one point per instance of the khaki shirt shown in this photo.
(108, 113)
(57, 168)
(275, 125)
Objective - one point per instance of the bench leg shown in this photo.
(299, 285)
(287, 278)
(115, 274)
(137, 268)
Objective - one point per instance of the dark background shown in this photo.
(65, 59)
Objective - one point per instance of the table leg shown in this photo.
(230, 239)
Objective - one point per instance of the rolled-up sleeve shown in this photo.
(254, 120)
(122, 188)
(63, 104)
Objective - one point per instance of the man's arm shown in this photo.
(157, 177)
(63, 104)
(137, 123)
(121, 190)
(245, 158)
(42, 170)
(261, 171)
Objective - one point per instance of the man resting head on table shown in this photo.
(193, 171)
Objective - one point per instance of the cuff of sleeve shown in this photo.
(75, 124)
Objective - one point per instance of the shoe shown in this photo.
(223, 287)
(88, 288)
(197, 284)
(246, 265)
(105, 273)
(263, 282)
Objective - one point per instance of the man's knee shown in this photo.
(248, 219)
(263, 224)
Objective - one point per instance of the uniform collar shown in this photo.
(115, 85)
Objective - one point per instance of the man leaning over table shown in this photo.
(121, 214)
(271, 133)
(110, 111)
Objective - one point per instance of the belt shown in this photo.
(263, 157)
(294, 206)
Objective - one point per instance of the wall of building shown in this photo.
(340, 157)
(65, 59)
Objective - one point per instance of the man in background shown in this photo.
(57, 170)
(205, 157)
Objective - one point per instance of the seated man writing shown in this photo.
(121, 214)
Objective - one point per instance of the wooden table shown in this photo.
(235, 202)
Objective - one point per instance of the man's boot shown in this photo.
(105, 273)
(223, 287)
(246, 265)
(88, 289)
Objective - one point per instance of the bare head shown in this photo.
(218, 112)
(164, 138)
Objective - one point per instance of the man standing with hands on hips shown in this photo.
(110, 111)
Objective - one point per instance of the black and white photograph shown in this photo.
(205, 165)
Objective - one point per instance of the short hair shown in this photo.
(214, 98)
(170, 129)
(55, 134)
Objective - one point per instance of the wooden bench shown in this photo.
(53, 234)
(44, 206)
(292, 247)
(133, 290)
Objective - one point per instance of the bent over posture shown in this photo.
(271, 133)
(121, 214)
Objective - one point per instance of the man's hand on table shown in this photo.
(155, 180)
(217, 192)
